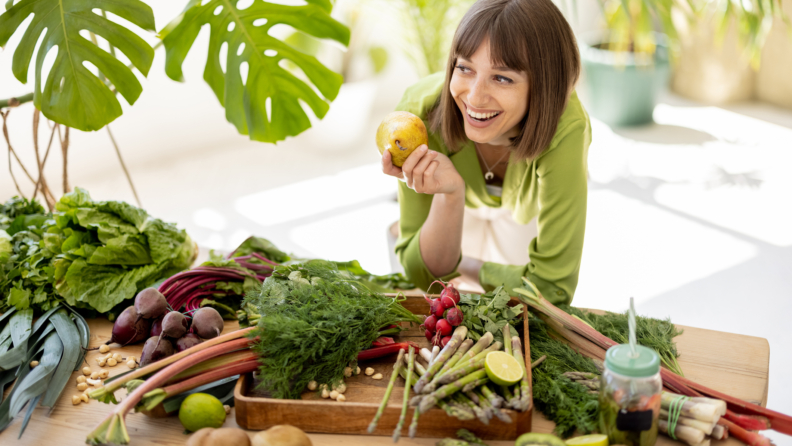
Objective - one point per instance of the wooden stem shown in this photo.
(123, 166)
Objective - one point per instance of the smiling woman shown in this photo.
(500, 192)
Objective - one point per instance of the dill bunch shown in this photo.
(314, 321)
(568, 404)
(653, 333)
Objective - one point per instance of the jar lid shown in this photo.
(620, 359)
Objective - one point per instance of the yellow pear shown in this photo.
(400, 133)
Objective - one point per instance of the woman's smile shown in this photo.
(480, 118)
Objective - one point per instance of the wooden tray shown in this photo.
(254, 410)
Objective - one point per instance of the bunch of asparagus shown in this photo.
(455, 380)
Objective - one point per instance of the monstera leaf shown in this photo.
(261, 98)
(72, 95)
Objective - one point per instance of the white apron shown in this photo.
(492, 235)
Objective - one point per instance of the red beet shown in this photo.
(454, 316)
(430, 323)
(129, 328)
(449, 297)
(207, 323)
(156, 327)
(187, 341)
(174, 325)
(429, 335)
(150, 304)
(444, 341)
(155, 349)
(443, 327)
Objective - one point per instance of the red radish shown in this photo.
(430, 323)
(187, 341)
(150, 304)
(207, 323)
(454, 316)
(451, 293)
(156, 326)
(429, 335)
(444, 341)
(435, 307)
(129, 328)
(443, 327)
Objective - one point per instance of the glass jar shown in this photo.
(629, 396)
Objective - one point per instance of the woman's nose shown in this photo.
(477, 96)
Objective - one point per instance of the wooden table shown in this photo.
(734, 364)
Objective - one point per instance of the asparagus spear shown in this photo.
(449, 389)
(475, 384)
(507, 347)
(481, 414)
(463, 348)
(495, 400)
(483, 342)
(508, 396)
(496, 411)
(442, 357)
(525, 385)
(473, 396)
(471, 366)
(396, 368)
(407, 380)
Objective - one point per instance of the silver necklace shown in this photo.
(488, 176)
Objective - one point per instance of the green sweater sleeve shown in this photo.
(556, 251)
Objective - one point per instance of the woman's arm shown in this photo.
(556, 252)
(430, 181)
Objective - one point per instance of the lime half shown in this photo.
(502, 368)
(588, 440)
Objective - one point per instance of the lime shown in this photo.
(502, 368)
(201, 410)
(588, 440)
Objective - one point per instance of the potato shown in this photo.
(282, 435)
(225, 436)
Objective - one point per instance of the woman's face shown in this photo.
(493, 100)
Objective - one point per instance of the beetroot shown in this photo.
(150, 304)
(156, 326)
(430, 323)
(443, 327)
(129, 328)
(155, 349)
(187, 341)
(454, 316)
(174, 325)
(207, 323)
(444, 341)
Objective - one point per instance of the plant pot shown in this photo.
(623, 87)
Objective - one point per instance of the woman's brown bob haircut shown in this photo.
(524, 35)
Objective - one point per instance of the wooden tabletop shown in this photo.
(734, 364)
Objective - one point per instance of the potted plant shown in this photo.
(629, 63)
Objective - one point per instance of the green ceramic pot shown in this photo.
(623, 88)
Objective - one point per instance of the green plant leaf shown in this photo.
(266, 105)
(71, 94)
(379, 58)
(37, 380)
(70, 337)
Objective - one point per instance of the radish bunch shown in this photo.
(444, 315)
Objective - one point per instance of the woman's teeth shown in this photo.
(482, 116)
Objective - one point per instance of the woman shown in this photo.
(508, 143)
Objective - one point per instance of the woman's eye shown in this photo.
(503, 79)
(462, 68)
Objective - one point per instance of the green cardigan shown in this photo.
(551, 187)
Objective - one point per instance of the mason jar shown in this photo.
(629, 396)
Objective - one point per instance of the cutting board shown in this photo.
(730, 363)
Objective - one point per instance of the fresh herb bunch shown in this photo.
(489, 312)
(653, 333)
(568, 404)
(313, 323)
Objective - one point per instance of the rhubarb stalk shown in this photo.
(113, 428)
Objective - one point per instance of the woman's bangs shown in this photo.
(507, 49)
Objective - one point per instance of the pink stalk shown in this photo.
(220, 361)
(749, 422)
(157, 396)
(236, 336)
(747, 437)
(113, 428)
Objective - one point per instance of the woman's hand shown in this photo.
(426, 172)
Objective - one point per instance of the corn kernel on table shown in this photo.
(734, 364)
